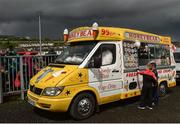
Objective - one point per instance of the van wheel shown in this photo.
(162, 89)
(83, 106)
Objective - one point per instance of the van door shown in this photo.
(108, 78)
(132, 81)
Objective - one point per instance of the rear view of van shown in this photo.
(177, 59)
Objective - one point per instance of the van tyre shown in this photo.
(83, 106)
(162, 89)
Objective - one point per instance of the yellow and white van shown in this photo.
(98, 66)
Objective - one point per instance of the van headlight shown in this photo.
(52, 91)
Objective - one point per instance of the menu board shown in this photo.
(130, 54)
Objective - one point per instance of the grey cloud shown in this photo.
(19, 17)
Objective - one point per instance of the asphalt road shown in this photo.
(122, 111)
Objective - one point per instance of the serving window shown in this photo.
(134, 56)
(154, 52)
(162, 54)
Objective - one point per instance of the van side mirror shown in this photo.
(97, 62)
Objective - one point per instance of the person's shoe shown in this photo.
(149, 107)
(141, 107)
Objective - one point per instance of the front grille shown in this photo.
(33, 98)
(35, 90)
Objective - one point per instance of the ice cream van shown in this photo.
(99, 65)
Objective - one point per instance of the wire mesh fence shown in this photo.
(16, 72)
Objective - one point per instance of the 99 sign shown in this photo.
(106, 32)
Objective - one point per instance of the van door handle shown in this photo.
(115, 71)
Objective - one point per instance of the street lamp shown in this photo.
(40, 34)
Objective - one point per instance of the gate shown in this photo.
(16, 72)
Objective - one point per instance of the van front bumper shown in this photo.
(172, 84)
(50, 104)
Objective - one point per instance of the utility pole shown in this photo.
(40, 49)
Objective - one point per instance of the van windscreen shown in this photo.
(75, 53)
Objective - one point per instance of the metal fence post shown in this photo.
(21, 78)
(1, 90)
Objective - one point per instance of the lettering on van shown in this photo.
(108, 33)
(166, 40)
(166, 73)
(88, 33)
(104, 73)
(141, 37)
(107, 87)
(133, 74)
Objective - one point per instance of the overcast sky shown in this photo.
(20, 18)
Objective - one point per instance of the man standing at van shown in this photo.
(155, 87)
(149, 80)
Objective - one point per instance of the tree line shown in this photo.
(6, 44)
